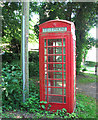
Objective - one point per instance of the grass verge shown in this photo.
(86, 78)
(85, 108)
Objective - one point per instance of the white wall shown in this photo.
(91, 56)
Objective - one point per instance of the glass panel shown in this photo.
(45, 82)
(55, 67)
(45, 90)
(64, 67)
(64, 83)
(58, 67)
(64, 99)
(58, 59)
(45, 51)
(54, 58)
(58, 76)
(45, 43)
(64, 91)
(57, 99)
(55, 75)
(46, 97)
(45, 58)
(45, 66)
(54, 42)
(45, 74)
(64, 42)
(55, 50)
(64, 58)
(64, 75)
(55, 83)
(56, 91)
(64, 52)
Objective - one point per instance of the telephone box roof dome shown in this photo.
(58, 20)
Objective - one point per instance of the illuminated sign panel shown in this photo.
(59, 29)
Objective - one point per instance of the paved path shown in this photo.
(88, 89)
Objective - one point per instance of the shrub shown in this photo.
(9, 57)
(90, 63)
(11, 87)
(33, 63)
(34, 56)
(84, 69)
(32, 103)
(33, 69)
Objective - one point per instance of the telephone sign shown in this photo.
(55, 29)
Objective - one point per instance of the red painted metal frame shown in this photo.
(69, 48)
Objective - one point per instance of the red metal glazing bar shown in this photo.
(54, 71)
(53, 46)
(54, 54)
(54, 87)
(47, 66)
(58, 74)
(55, 63)
(54, 79)
(51, 75)
(55, 95)
(62, 73)
(57, 67)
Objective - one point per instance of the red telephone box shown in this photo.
(57, 64)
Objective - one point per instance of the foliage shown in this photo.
(32, 103)
(81, 13)
(44, 105)
(33, 63)
(89, 67)
(63, 114)
(85, 106)
(33, 56)
(12, 98)
(11, 87)
(32, 34)
(85, 109)
(10, 57)
(84, 69)
(85, 15)
(11, 24)
(33, 69)
(90, 63)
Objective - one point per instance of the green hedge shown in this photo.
(33, 63)
(90, 63)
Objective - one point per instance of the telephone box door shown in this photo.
(55, 84)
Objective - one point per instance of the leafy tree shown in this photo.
(85, 19)
(82, 14)
(11, 24)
